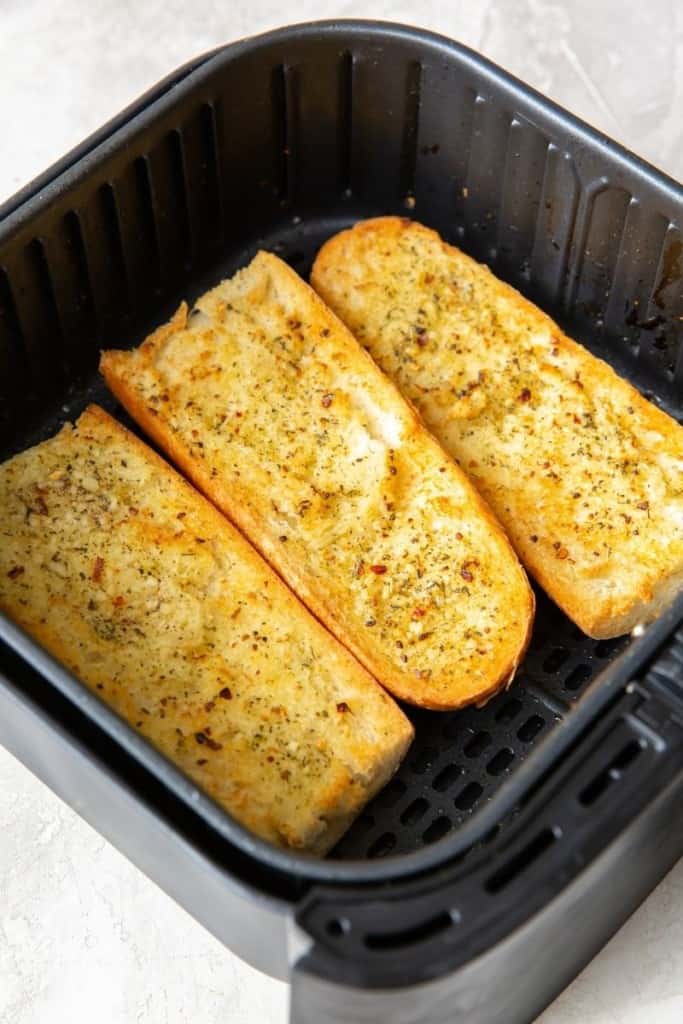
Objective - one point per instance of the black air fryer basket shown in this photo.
(516, 838)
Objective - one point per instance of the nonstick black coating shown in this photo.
(280, 143)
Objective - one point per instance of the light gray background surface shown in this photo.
(83, 935)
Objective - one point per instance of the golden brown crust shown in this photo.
(142, 588)
(584, 473)
(286, 424)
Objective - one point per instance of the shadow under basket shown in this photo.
(515, 838)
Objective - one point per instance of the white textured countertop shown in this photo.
(83, 934)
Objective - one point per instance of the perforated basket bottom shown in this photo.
(458, 760)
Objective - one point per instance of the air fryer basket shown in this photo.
(492, 843)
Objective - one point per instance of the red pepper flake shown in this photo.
(371, 622)
(458, 535)
(562, 553)
(643, 505)
(418, 612)
(97, 569)
(226, 693)
(17, 571)
(41, 507)
(392, 470)
(466, 574)
(378, 570)
(325, 332)
(525, 395)
(326, 400)
(119, 601)
(133, 511)
(534, 538)
(203, 739)
(342, 707)
(181, 515)
(283, 537)
(209, 706)
(238, 413)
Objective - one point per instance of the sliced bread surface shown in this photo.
(270, 406)
(585, 474)
(141, 588)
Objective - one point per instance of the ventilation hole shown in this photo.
(530, 729)
(446, 777)
(345, 122)
(211, 155)
(521, 861)
(281, 129)
(423, 760)
(577, 677)
(438, 828)
(605, 648)
(555, 659)
(337, 927)
(500, 762)
(410, 936)
(392, 792)
(414, 811)
(594, 790)
(509, 710)
(466, 800)
(626, 756)
(411, 118)
(117, 272)
(149, 220)
(382, 846)
(181, 207)
(478, 744)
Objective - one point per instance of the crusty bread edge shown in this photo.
(113, 368)
(402, 732)
(599, 619)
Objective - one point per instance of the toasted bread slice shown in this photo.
(271, 407)
(141, 588)
(585, 475)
